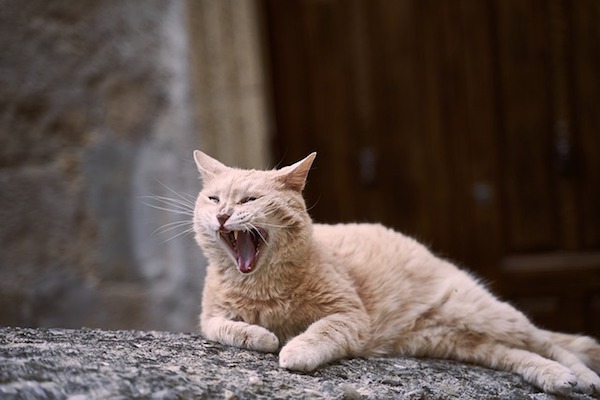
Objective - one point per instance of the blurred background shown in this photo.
(473, 125)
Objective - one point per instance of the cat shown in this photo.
(318, 293)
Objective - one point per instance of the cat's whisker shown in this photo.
(176, 211)
(314, 204)
(190, 200)
(182, 221)
(180, 211)
(276, 225)
(186, 232)
(172, 202)
(172, 226)
(169, 200)
(253, 227)
(182, 205)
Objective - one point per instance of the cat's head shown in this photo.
(247, 219)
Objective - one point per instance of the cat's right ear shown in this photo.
(208, 166)
(294, 176)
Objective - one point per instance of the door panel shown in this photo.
(524, 100)
(585, 43)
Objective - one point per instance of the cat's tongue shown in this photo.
(246, 252)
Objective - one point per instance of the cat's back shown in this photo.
(359, 243)
(384, 261)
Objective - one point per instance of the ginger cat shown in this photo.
(318, 293)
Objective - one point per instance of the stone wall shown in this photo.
(95, 115)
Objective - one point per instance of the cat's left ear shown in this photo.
(208, 166)
(294, 176)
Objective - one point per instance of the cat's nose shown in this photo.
(222, 218)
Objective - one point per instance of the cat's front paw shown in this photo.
(559, 379)
(261, 339)
(587, 381)
(296, 356)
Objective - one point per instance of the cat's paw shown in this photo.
(296, 356)
(587, 381)
(558, 379)
(261, 339)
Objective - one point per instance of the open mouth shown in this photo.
(244, 246)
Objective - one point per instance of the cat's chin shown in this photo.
(244, 246)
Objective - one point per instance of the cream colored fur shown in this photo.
(319, 293)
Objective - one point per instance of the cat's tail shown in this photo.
(584, 347)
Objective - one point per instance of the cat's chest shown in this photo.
(283, 316)
(262, 312)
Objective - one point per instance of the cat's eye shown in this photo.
(247, 199)
(214, 199)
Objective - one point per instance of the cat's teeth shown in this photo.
(235, 235)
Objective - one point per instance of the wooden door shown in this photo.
(472, 125)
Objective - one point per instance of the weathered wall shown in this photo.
(94, 115)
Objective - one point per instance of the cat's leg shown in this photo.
(239, 334)
(587, 380)
(541, 363)
(584, 347)
(331, 338)
(550, 376)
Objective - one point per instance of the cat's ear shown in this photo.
(294, 176)
(208, 166)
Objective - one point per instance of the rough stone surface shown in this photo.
(86, 364)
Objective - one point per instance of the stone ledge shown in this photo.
(86, 364)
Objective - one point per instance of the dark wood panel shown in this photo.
(325, 29)
(438, 96)
(396, 89)
(586, 105)
(593, 315)
(289, 76)
(369, 191)
(481, 176)
(555, 289)
(525, 97)
(562, 138)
